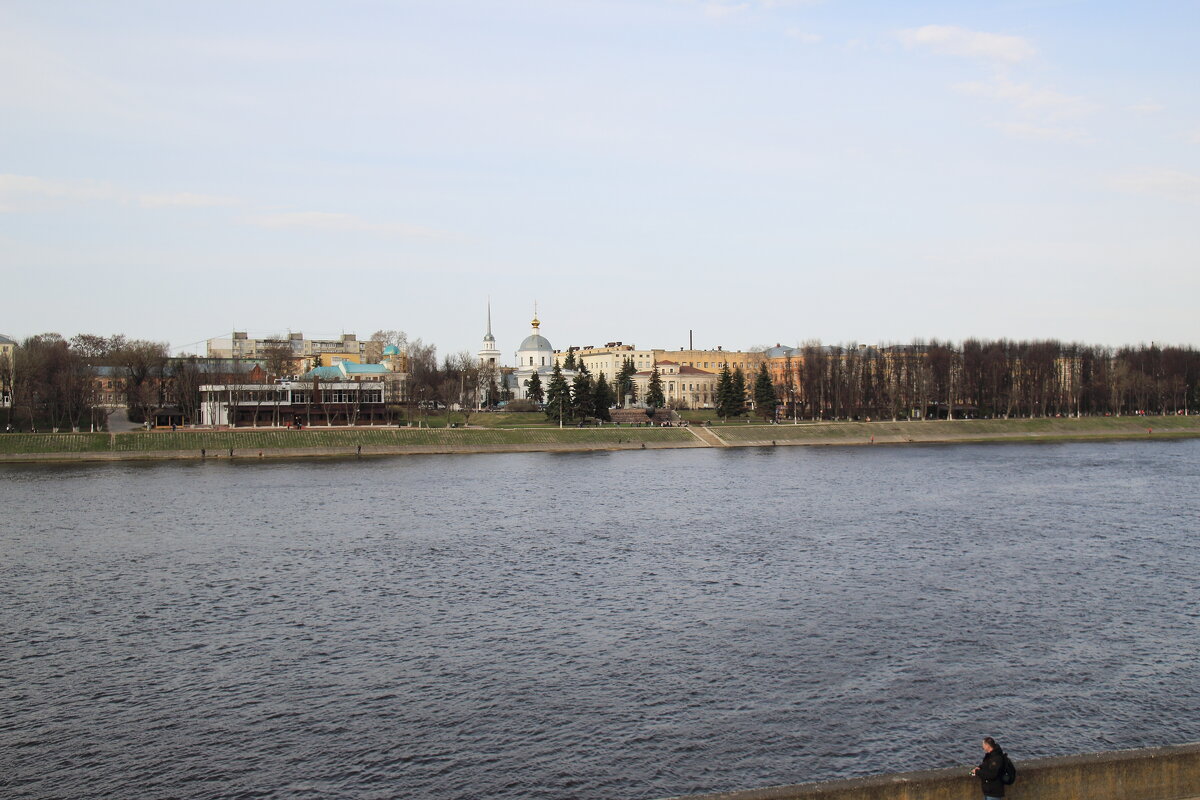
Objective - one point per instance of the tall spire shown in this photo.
(488, 336)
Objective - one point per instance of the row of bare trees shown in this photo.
(998, 378)
(57, 384)
(71, 384)
(455, 381)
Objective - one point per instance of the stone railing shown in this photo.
(1159, 773)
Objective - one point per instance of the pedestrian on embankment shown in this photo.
(991, 770)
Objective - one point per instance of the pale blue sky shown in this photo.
(759, 171)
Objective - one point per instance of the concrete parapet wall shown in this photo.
(1159, 773)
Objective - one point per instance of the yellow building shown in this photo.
(713, 360)
(608, 359)
(346, 348)
(683, 386)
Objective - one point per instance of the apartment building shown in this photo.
(331, 351)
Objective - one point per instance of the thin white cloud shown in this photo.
(185, 200)
(716, 9)
(804, 37)
(238, 48)
(955, 41)
(1169, 183)
(1028, 98)
(721, 9)
(29, 192)
(1023, 130)
(337, 223)
(1147, 107)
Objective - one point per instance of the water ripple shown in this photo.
(589, 625)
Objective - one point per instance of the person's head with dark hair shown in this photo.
(989, 744)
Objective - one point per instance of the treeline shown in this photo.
(60, 384)
(70, 384)
(999, 378)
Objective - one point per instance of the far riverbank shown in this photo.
(355, 442)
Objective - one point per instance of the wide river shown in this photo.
(604, 625)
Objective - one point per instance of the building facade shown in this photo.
(330, 351)
(683, 386)
(609, 359)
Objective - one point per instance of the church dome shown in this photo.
(391, 350)
(535, 342)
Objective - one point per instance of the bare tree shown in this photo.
(278, 360)
(141, 364)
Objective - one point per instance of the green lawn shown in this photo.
(981, 428)
(734, 433)
(53, 442)
(216, 441)
(510, 419)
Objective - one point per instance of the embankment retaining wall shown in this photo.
(1159, 773)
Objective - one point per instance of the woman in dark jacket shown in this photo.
(991, 770)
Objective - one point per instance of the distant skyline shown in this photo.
(757, 171)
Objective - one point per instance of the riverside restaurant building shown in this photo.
(293, 404)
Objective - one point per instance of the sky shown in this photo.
(752, 171)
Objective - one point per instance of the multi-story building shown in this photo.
(683, 386)
(331, 351)
(608, 359)
(713, 360)
(343, 394)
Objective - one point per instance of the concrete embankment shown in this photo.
(256, 454)
(339, 443)
(1159, 773)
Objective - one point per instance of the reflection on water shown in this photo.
(590, 625)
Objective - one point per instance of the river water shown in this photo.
(603, 625)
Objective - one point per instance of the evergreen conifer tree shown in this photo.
(765, 400)
(737, 405)
(625, 381)
(582, 396)
(654, 390)
(558, 397)
(602, 398)
(569, 361)
(533, 389)
(725, 392)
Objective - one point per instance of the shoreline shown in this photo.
(459, 442)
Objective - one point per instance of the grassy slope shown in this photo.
(19, 443)
(522, 434)
(961, 429)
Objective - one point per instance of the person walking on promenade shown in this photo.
(991, 770)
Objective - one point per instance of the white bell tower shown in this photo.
(489, 356)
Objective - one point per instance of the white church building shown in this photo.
(535, 355)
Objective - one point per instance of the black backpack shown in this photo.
(1008, 773)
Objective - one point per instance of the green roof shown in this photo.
(325, 373)
(363, 369)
